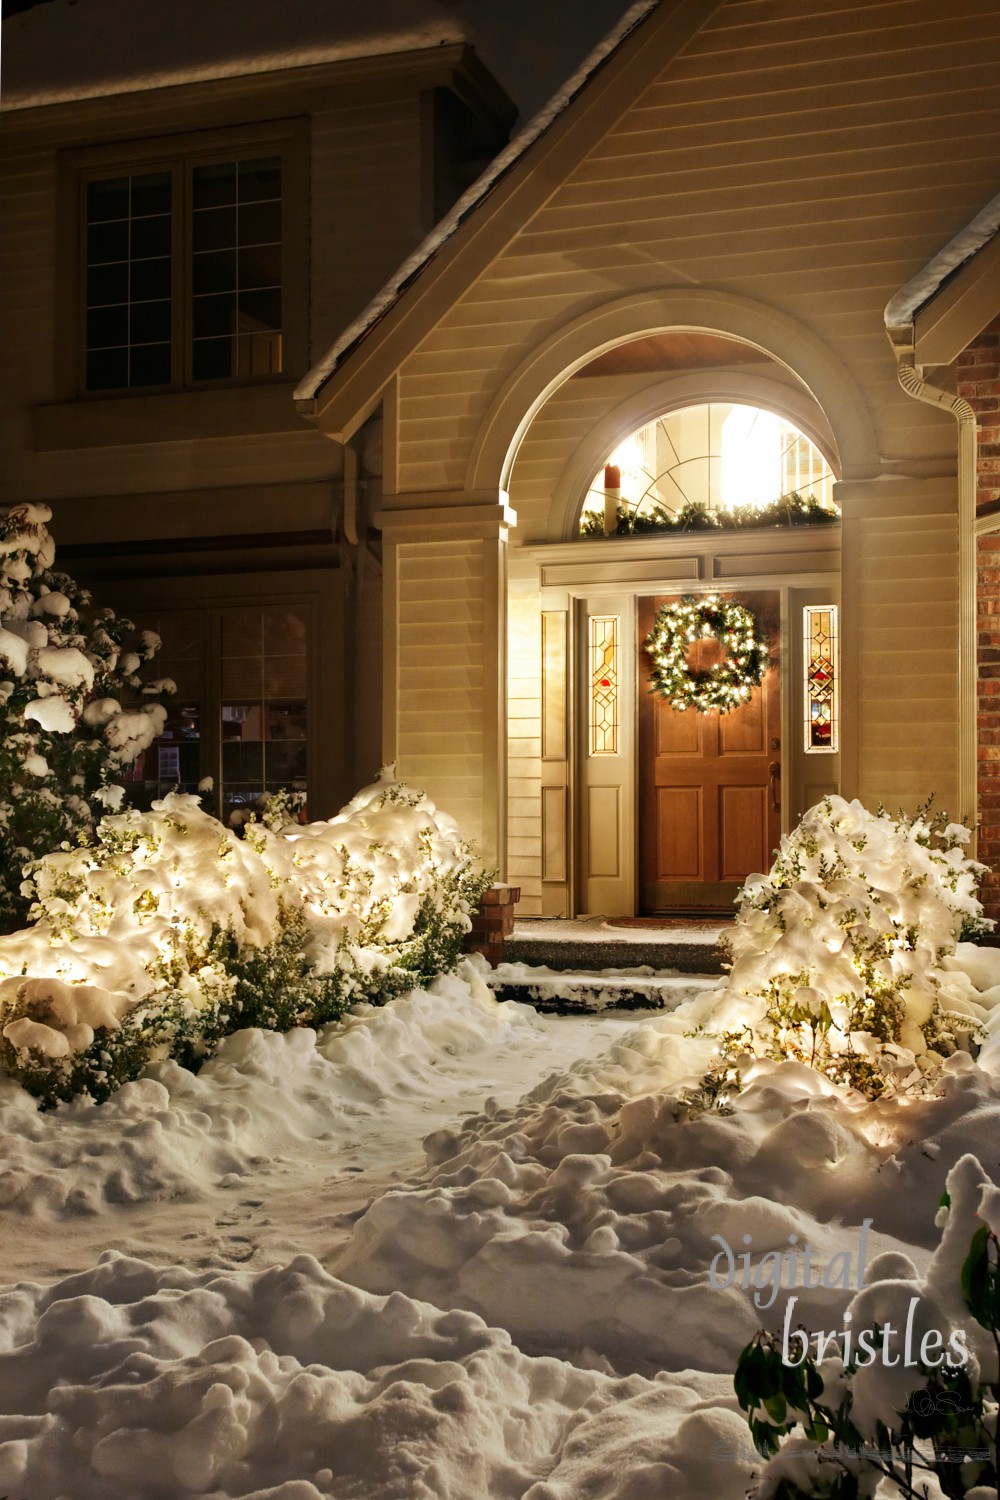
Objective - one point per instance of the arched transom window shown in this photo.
(718, 463)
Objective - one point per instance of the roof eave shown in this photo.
(951, 300)
(362, 369)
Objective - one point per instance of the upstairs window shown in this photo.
(192, 262)
(130, 272)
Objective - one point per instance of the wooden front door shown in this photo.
(708, 784)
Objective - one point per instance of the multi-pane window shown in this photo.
(714, 457)
(264, 705)
(129, 288)
(242, 717)
(236, 269)
(186, 267)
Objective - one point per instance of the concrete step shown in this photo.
(564, 992)
(590, 944)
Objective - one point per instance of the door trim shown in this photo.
(794, 559)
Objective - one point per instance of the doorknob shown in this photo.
(774, 782)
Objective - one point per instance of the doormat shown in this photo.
(692, 921)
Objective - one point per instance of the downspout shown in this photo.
(921, 390)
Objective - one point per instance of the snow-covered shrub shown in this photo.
(189, 932)
(838, 951)
(908, 1392)
(63, 730)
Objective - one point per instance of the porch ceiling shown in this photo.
(676, 350)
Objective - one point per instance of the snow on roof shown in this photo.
(925, 285)
(65, 50)
(380, 304)
(82, 49)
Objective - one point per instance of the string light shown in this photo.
(726, 685)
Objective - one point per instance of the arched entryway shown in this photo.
(653, 502)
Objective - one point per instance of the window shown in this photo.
(706, 460)
(822, 679)
(264, 705)
(242, 718)
(192, 258)
(604, 684)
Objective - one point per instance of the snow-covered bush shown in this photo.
(168, 932)
(908, 1392)
(63, 730)
(839, 950)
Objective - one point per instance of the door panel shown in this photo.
(604, 807)
(679, 847)
(708, 794)
(742, 831)
(744, 731)
(677, 734)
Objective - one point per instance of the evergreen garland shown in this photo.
(723, 687)
(792, 509)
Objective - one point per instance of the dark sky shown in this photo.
(62, 47)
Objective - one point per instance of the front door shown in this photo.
(709, 793)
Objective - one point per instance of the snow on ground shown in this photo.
(600, 930)
(301, 1302)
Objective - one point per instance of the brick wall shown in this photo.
(493, 922)
(978, 370)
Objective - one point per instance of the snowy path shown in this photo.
(446, 1250)
(333, 1157)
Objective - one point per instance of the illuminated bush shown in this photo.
(838, 950)
(170, 932)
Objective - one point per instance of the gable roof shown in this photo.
(950, 300)
(345, 384)
(324, 367)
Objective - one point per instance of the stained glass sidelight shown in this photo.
(604, 683)
(822, 684)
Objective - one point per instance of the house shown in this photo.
(183, 231)
(750, 248)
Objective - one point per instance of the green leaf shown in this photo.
(977, 1278)
(777, 1408)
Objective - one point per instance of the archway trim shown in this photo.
(604, 326)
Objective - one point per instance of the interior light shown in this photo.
(750, 457)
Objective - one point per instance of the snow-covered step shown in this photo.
(586, 945)
(566, 992)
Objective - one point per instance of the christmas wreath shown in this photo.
(724, 686)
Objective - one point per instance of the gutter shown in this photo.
(910, 376)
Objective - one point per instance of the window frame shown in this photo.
(318, 594)
(178, 155)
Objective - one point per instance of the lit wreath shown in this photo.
(722, 687)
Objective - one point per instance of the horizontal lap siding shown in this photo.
(906, 620)
(524, 730)
(440, 666)
(810, 157)
(362, 160)
(27, 278)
